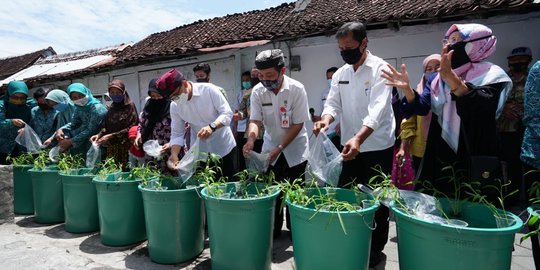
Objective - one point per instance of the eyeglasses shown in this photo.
(455, 39)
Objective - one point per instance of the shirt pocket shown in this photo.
(268, 115)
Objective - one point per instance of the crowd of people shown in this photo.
(463, 107)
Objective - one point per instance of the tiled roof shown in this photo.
(12, 65)
(286, 22)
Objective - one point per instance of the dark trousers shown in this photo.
(531, 175)
(15, 153)
(282, 171)
(510, 152)
(359, 171)
(240, 141)
(227, 165)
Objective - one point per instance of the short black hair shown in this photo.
(204, 67)
(246, 73)
(332, 69)
(356, 28)
(40, 92)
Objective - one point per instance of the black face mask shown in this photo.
(254, 81)
(519, 67)
(460, 57)
(203, 80)
(351, 56)
(44, 107)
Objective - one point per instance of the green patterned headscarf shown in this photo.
(18, 111)
(62, 97)
(83, 90)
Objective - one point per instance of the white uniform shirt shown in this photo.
(363, 99)
(267, 107)
(332, 127)
(206, 106)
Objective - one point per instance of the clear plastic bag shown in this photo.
(153, 149)
(93, 156)
(188, 163)
(29, 139)
(257, 162)
(324, 161)
(54, 154)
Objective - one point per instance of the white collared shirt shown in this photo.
(207, 105)
(267, 107)
(332, 127)
(362, 99)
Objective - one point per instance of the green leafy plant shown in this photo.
(108, 167)
(21, 160)
(146, 173)
(41, 161)
(477, 195)
(459, 183)
(534, 220)
(69, 163)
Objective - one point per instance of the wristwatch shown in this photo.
(213, 127)
(280, 147)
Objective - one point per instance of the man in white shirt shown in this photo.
(279, 103)
(206, 110)
(362, 98)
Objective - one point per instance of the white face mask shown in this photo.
(81, 102)
(180, 99)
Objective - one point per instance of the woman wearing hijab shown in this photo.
(59, 100)
(15, 112)
(155, 123)
(43, 116)
(465, 97)
(121, 116)
(87, 119)
(414, 129)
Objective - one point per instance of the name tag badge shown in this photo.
(285, 121)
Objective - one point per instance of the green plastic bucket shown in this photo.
(80, 202)
(240, 230)
(121, 211)
(23, 197)
(480, 246)
(48, 198)
(534, 211)
(174, 223)
(319, 239)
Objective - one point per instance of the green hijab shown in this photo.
(18, 111)
(83, 90)
(62, 97)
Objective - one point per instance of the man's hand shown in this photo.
(236, 117)
(94, 138)
(338, 129)
(173, 162)
(351, 149)
(320, 126)
(273, 155)
(205, 132)
(248, 147)
(18, 122)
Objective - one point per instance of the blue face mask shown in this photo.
(329, 81)
(60, 107)
(117, 98)
(246, 85)
(428, 74)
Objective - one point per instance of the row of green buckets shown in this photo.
(242, 228)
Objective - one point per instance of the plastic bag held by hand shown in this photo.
(153, 149)
(324, 160)
(257, 162)
(188, 163)
(54, 154)
(93, 156)
(29, 139)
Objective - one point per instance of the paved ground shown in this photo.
(25, 244)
